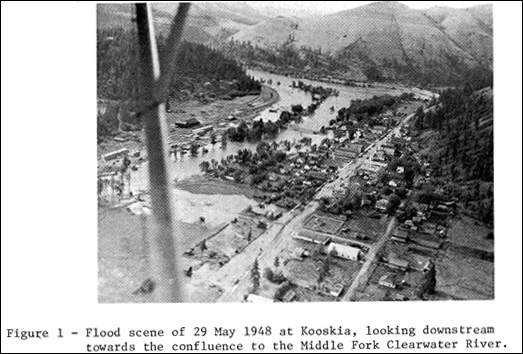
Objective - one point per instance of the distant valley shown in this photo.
(382, 41)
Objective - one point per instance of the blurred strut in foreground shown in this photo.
(156, 77)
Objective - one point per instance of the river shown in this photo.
(184, 166)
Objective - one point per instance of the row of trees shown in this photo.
(267, 158)
(258, 129)
(253, 133)
(372, 106)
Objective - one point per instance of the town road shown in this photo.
(351, 168)
(364, 274)
(266, 247)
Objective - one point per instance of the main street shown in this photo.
(234, 276)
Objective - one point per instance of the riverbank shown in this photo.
(216, 113)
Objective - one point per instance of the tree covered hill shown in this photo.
(118, 67)
(457, 143)
(200, 72)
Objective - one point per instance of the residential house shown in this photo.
(357, 148)
(400, 235)
(379, 129)
(382, 204)
(379, 156)
(394, 261)
(388, 149)
(344, 155)
(300, 253)
(388, 280)
(320, 176)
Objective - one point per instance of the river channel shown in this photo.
(184, 165)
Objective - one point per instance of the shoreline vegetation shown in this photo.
(256, 130)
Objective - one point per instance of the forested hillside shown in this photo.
(458, 146)
(118, 62)
(201, 72)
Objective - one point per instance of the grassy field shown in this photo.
(465, 278)
(467, 232)
(371, 228)
(212, 186)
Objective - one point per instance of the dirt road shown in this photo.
(265, 248)
(364, 274)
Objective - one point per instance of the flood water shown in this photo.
(184, 166)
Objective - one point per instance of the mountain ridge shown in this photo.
(387, 34)
(388, 39)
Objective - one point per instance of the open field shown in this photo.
(123, 253)
(465, 231)
(323, 223)
(212, 186)
(369, 229)
(465, 277)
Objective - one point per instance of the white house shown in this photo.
(343, 251)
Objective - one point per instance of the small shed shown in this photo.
(400, 235)
(398, 263)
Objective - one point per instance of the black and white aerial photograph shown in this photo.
(295, 152)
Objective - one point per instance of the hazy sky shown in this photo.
(335, 6)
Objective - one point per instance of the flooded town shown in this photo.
(310, 187)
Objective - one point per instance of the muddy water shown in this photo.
(183, 165)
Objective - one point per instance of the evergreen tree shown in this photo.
(255, 276)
